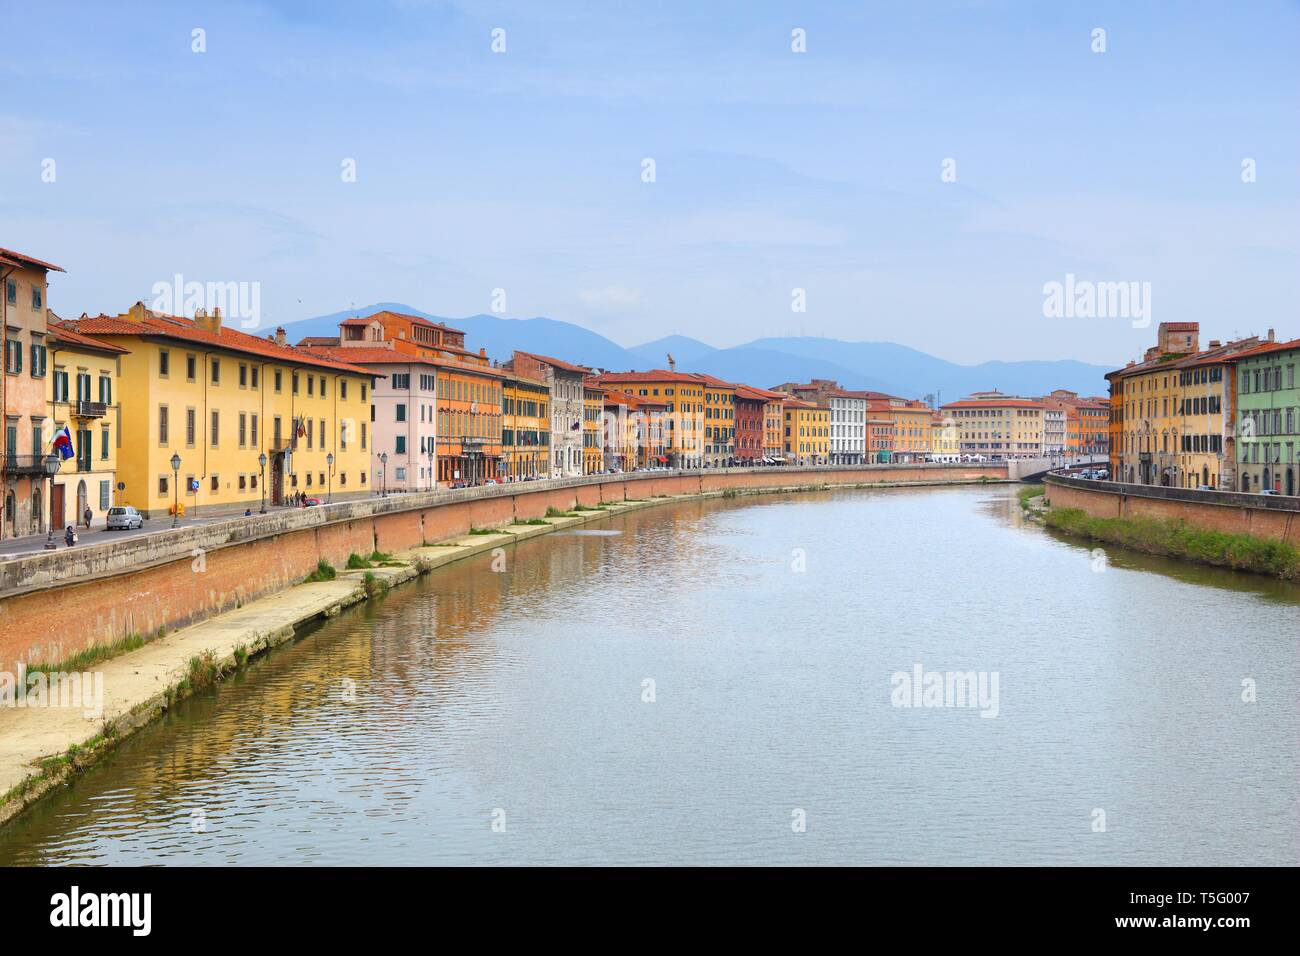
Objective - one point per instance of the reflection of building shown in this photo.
(82, 389)
(218, 398)
(23, 391)
(525, 427)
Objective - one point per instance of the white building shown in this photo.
(848, 438)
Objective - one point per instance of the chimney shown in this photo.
(1271, 337)
(279, 335)
(208, 323)
(137, 314)
(482, 352)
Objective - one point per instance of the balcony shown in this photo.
(90, 409)
(22, 465)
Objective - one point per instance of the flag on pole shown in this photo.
(63, 443)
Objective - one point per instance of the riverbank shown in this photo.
(42, 748)
(1170, 538)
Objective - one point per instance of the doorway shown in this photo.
(56, 506)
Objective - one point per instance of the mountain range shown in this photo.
(880, 366)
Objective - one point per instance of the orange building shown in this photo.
(634, 431)
(683, 394)
(593, 417)
(468, 390)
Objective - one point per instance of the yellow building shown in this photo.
(214, 400)
(525, 428)
(912, 422)
(593, 415)
(81, 395)
(993, 425)
(683, 396)
(719, 420)
(807, 432)
(945, 437)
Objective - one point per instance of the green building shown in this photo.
(1267, 423)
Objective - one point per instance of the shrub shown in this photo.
(324, 572)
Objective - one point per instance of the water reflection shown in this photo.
(768, 629)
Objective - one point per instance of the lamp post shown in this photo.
(261, 463)
(51, 464)
(176, 513)
(383, 474)
(329, 487)
(430, 454)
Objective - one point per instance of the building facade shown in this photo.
(807, 432)
(999, 426)
(683, 396)
(525, 428)
(215, 400)
(1267, 433)
(564, 380)
(82, 395)
(24, 282)
(848, 438)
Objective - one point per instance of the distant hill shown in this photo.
(881, 366)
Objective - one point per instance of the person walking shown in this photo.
(86, 516)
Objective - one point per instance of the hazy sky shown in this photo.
(774, 170)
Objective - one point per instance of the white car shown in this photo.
(124, 518)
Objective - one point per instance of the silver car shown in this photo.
(124, 518)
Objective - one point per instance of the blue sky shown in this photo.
(774, 170)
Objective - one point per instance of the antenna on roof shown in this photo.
(672, 363)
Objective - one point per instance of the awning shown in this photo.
(662, 458)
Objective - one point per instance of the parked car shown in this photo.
(1205, 488)
(1267, 491)
(124, 518)
(310, 502)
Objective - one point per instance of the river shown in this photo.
(723, 682)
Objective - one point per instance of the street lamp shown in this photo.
(51, 465)
(383, 474)
(430, 454)
(176, 512)
(261, 462)
(329, 487)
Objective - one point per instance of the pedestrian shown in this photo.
(70, 536)
(248, 512)
(86, 516)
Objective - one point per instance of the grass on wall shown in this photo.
(1241, 552)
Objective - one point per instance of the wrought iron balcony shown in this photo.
(90, 409)
(23, 465)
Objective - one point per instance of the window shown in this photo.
(254, 371)
(106, 389)
(162, 486)
(401, 444)
(243, 375)
(191, 367)
(401, 412)
(36, 297)
(216, 428)
(401, 381)
(343, 390)
(311, 384)
(162, 425)
(279, 379)
(216, 371)
(13, 356)
(216, 481)
(164, 363)
(294, 383)
(38, 360)
(11, 292)
(103, 444)
(253, 434)
(189, 427)
(243, 430)
(60, 382)
(105, 495)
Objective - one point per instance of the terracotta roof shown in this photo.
(750, 393)
(62, 332)
(11, 258)
(654, 375)
(363, 355)
(416, 319)
(313, 340)
(558, 363)
(1263, 349)
(995, 403)
(176, 328)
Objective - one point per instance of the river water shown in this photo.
(722, 682)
